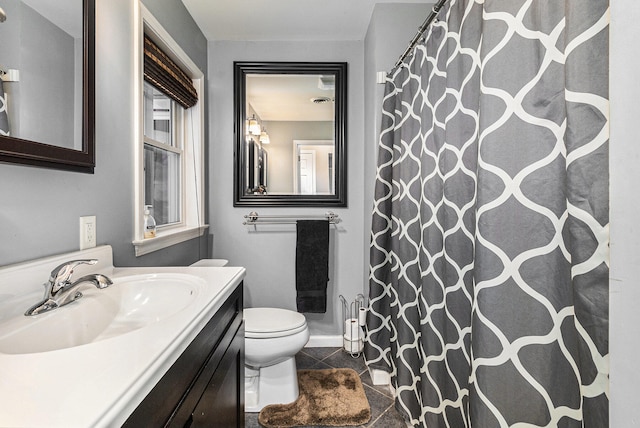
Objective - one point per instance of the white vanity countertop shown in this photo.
(100, 384)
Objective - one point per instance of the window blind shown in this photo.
(163, 73)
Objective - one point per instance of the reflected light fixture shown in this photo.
(253, 126)
(264, 137)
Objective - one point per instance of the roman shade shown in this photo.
(163, 73)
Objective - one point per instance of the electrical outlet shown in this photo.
(87, 232)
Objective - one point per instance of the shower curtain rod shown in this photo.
(432, 16)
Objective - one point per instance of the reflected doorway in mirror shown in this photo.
(313, 167)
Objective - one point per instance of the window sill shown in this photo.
(168, 238)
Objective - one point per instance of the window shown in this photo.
(169, 148)
(162, 155)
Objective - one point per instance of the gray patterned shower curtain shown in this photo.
(489, 242)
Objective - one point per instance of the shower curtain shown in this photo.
(489, 241)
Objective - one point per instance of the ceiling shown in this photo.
(67, 14)
(286, 20)
(291, 20)
(278, 97)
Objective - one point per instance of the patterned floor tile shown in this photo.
(304, 361)
(251, 420)
(344, 360)
(389, 419)
(383, 413)
(319, 353)
(379, 403)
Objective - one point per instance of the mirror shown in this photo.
(47, 52)
(290, 129)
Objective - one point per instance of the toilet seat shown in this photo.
(263, 323)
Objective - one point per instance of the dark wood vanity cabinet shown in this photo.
(205, 386)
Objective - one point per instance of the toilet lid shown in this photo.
(273, 322)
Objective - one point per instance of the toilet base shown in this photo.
(276, 384)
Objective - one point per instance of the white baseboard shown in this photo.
(380, 377)
(324, 341)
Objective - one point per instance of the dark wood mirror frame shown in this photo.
(339, 198)
(25, 152)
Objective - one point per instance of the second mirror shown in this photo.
(290, 134)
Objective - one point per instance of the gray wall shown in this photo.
(624, 329)
(280, 149)
(268, 252)
(391, 28)
(41, 103)
(47, 59)
(40, 207)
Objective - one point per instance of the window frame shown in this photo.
(192, 224)
(176, 146)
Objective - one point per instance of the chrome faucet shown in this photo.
(59, 290)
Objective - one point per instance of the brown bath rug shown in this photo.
(331, 397)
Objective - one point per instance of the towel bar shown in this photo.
(254, 218)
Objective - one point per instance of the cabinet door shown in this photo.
(172, 401)
(222, 403)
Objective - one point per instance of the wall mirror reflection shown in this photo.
(46, 94)
(290, 134)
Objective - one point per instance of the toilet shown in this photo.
(272, 339)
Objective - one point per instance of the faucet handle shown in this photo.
(62, 274)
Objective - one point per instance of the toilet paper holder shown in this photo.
(353, 319)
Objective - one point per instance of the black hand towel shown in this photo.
(312, 265)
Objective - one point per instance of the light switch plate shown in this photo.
(87, 232)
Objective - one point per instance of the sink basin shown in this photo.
(131, 303)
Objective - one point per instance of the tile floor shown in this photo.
(383, 413)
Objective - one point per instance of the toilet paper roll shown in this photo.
(362, 317)
(353, 346)
(351, 329)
